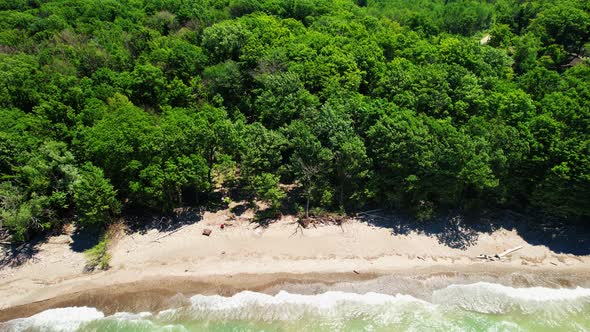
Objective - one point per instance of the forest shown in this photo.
(114, 106)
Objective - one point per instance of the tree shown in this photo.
(525, 53)
(266, 188)
(40, 190)
(501, 36)
(562, 24)
(224, 40)
(121, 143)
(349, 164)
(161, 183)
(309, 161)
(281, 99)
(225, 81)
(94, 197)
(19, 88)
(217, 136)
(261, 150)
(148, 85)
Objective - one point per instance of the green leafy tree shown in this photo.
(224, 40)
(148, 85)
(94, 197)
(563, 24)
(266, 188)
(309, 161)
(281, 99)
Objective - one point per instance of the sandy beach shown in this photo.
(245, 256)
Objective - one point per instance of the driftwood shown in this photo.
(368, 212)
(499, 256)
(509, 251)
(172, 232)
(299, 228)
(306, 222)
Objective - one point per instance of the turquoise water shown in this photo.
(472, 307)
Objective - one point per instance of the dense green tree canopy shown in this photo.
(410, 104)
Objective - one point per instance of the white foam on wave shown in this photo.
(335, 308)
(61, 319)
(285, 306)
(323, 301)
(495, 298)
(131, 316)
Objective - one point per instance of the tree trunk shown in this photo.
(210, 162)
(307, 208)
(307, 205)
(341, 199)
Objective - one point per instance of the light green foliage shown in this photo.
(120, 143)
(94, 197)
(266, 188)
(161, 183)
(261, 150)
(98, 256)
(501, 36)
(224, 40)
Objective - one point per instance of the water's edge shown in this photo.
(159, 294)
(438, 303)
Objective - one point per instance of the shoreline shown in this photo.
(157, 293)
(243, 256)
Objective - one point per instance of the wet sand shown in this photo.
(154, 295)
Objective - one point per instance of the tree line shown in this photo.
(119, 104)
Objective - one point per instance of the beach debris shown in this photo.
(369, 212)
(322, 220)
(207, 232)
(304, 222)
(222, 226)
(422, 258)
(298, 228)
(554, 263)
(356, 272)
(88, 268)
(172, 232)
(500, 256)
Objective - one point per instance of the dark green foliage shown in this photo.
(107, 105)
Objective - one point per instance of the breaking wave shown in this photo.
(471, 307)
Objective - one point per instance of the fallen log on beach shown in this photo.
(498, 257)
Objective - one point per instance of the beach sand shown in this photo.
(244, 256)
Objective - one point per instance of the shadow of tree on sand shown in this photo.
(460, 231)
(85, 238)
(141, 223)
(13, 255)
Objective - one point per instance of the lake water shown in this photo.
(480, 306)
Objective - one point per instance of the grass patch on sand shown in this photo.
(98, 256)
